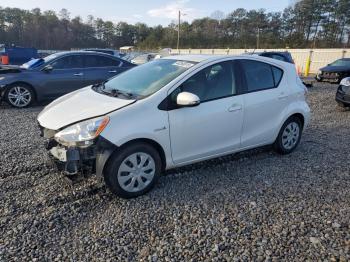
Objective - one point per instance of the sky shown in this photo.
(151, 12)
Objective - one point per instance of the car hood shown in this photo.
(332, 69)
(78, 106)
(10, 69)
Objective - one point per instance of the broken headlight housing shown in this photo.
(83, 133)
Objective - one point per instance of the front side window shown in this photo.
(211, 83)
(260, 76)
(68, 62)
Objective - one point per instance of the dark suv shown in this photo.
(335, 71)
(282, 56)
(55, 75)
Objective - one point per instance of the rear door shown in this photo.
(266, 96)
(99, 68)
(67, 75)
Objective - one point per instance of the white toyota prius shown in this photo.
(173, 112)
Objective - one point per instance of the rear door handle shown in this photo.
(112, 71)
(234, 108)
(78, 74)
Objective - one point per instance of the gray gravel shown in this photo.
(255, 205)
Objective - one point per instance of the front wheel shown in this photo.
(289, 136)
(19, 95)
(133, 170)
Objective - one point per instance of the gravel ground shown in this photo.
(255, 205)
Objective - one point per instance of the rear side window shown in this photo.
(100, 61)
(260, 76)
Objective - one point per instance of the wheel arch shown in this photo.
(148, 141)
(23, 83)
(300, 117)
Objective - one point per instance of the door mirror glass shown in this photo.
(48, 68)
(187, 99)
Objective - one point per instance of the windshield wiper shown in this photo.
(101, 88)
(117, 92)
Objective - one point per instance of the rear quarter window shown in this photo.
(277, 75)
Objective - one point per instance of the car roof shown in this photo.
(105, 49)
(81, 52)
(213, 58)
(196, 58)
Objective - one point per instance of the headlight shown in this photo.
(82, 133)
(345, 82)
(319, 72)
(2, 78)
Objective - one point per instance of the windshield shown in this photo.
(38, 62)
(148, 78)
(341, 62)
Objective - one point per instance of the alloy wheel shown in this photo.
(19, 96)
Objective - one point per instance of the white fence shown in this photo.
(318, 57)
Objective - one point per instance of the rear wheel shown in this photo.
(133, 170)
(289, 136)
(19, 95)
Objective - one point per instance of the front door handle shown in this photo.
(78, 74)
(112, 71)
(234, 108)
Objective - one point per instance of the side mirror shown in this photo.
(187, 99)
(48, 68)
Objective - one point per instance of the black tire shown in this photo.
(25, 89)
(279, 146)
(117, 159)
(341, 105)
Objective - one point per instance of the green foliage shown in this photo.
(306, 23)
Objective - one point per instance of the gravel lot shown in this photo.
(255, 205)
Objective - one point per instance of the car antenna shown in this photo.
(253, 51)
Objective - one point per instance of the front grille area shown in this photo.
(329, 75)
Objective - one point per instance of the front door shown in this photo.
(67, 75)
(214, 126)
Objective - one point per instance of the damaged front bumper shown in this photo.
(79, 159)
(2, 92)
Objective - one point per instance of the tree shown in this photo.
(304, 23)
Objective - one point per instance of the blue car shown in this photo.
(55, 75)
